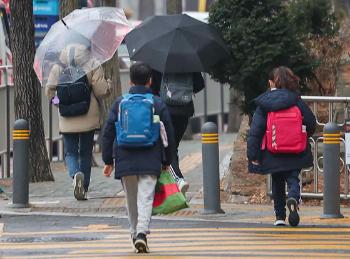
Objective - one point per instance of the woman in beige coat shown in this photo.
(78, 131)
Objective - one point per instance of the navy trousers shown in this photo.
(279, 181)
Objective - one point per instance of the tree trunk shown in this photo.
(235, 113)
(174, 6)
(67, 6)
(27, 88)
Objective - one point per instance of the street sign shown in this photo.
(44, 22)
(45, 15)
(45, 7)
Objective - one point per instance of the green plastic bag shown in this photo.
(168, 198)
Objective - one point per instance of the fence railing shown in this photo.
(326, 109)
(4, 156)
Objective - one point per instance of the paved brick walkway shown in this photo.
(105, 194)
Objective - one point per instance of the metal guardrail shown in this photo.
(337, 110)
(6, 158)
(50, 123)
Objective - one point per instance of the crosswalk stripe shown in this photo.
(59, 232)
(196, 243)
(184, 241)
(237, 254)
(241, 242)
(232, 234)
(194, 231)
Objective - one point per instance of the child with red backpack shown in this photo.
(277, 141)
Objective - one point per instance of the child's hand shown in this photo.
(107, 170)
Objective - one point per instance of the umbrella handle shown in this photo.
(64, 23)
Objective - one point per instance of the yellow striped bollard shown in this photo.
(20, 135)
(331, 177)
(211, 174)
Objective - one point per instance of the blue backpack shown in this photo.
(135, 126)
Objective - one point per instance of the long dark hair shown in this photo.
(283, 77)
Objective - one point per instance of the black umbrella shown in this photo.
(176, 44)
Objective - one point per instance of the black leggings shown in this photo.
(180, 124)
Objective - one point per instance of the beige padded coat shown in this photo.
(100, 89)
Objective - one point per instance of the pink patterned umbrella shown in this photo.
(95, 32)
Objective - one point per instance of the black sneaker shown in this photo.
(293, 217)
(141, 243)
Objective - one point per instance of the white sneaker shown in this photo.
(183, 185)
(279, 222)
(78, 184)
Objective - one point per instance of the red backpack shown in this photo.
(285, 132)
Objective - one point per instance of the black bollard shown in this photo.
(331, 181)
(211, 174)
(20, 183)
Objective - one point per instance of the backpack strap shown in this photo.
(126, 96)
(149, 96)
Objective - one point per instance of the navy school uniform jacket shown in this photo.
(275, 163)
(137, 161)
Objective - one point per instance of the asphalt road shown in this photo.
(81, 237)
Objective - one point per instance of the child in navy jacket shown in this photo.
(138, 168)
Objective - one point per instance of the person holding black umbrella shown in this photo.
(178, 48)
(176, 91)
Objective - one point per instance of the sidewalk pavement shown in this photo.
(106, 197)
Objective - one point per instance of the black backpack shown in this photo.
(74, 98)
(177, 89)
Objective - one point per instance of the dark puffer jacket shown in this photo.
(274, 163)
